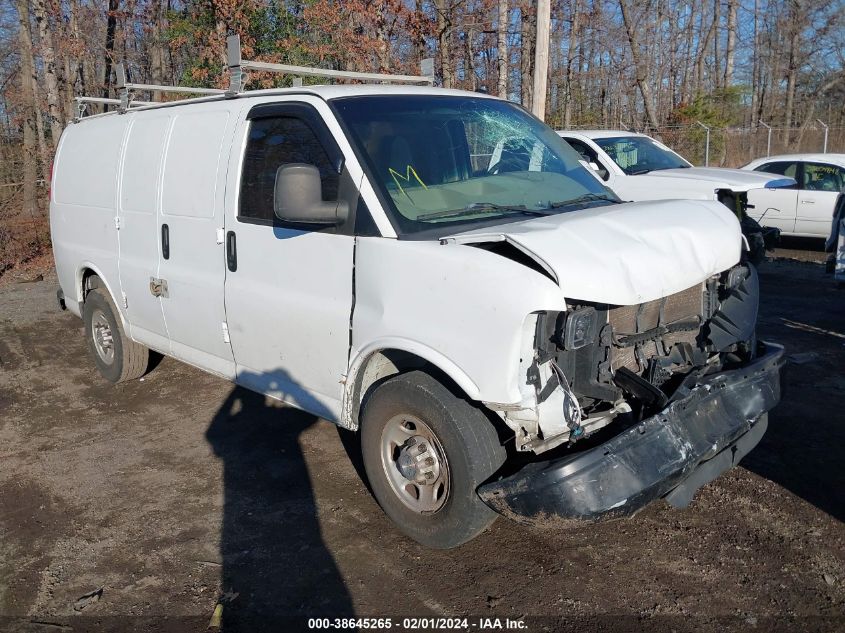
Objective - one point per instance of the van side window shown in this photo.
(273, 142)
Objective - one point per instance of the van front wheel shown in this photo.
(117, 356)
(425, 452)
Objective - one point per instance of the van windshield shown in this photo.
(455, 162)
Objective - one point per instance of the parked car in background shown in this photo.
(637, 167)
(807, 208)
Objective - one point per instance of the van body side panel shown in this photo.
(192, 206)
(139, 235)
(84, 205)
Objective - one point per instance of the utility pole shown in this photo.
(541, 58)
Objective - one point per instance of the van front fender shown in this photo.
(365, 370)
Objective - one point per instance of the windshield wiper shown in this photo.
(645, 171)
(480, 207)
(587, 197)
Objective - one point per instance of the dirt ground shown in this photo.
(142, 506)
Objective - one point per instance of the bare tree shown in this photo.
(730, 48)
(502, 47)
(444, 36)
(640, 69)
(528, 30)
(30, 169)
(48, 56)
(111, 25)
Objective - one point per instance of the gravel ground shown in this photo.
(143, 506)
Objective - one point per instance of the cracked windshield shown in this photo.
(457, 160)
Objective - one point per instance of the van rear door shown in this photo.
(192, 268)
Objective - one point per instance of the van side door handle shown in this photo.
(231, 251)
(165, 241)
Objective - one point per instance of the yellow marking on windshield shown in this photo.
(409, 171)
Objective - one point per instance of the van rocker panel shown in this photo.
(673, 453)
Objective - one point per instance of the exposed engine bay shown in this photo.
(596, 363)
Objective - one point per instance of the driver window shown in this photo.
(273, 142)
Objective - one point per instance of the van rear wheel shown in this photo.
(117, 356)
(425, 452)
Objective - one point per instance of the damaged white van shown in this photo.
(503, 336)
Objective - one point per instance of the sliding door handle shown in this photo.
(231, 251)
(165, 241)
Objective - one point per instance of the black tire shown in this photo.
(127, 359)
(468, 442)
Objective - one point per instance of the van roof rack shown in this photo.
(238, 78)
(237, 66)
(82, 103)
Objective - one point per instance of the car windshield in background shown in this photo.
(444, 161)
(639, 154)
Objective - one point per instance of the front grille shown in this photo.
(637, 319)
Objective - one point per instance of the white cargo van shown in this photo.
(505, 334)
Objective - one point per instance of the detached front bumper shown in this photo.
(672, 454)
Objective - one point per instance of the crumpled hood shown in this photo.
(625, 254)
(724, 178)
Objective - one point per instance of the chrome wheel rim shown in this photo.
(102, 335)
(415, 464)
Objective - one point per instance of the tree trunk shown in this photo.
(43, 152)
(639, 66)
(469, 60)
(49, 58)
(574, 32)
(792, 74)
(157, 52)
(527, 51)
(502, 46)
(444, 36)
(30, 108)
(755, 69)
(717, 17)
(702, 54)
(730, 49)
(111, 24)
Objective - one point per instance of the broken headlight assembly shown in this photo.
(579, 328)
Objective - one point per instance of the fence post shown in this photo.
(825, 126)
(706, 144)
(769, 139)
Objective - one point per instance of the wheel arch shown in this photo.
(387, 358)
(89, 277)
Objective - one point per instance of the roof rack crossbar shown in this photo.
(185, 89)
(107, 101)
(82, 102)
(238, 65)
(124, 87)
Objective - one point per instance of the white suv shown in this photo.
(357, 252)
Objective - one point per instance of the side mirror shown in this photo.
(297, 197)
